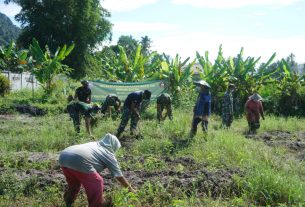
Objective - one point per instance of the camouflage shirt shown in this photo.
(164, 99)
(227, 103)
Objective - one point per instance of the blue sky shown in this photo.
(186, 26)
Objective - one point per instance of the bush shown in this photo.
(4, 85)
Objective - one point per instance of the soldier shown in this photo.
(227, 107)
(111, 100)
(131, 109)
(254, 109)
(83, 93)
(77, 109)
(164, 101)
(202, 109)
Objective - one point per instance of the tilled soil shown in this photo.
(194, 178)
(293, 141)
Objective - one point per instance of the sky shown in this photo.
(183, 27)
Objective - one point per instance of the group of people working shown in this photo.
(82, 163)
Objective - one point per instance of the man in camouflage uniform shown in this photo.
(111, 100)
(77, 109)
(164, 101)
(227, 107)
(131, 110)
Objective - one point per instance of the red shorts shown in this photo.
(92, 182)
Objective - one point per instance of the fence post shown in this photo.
(21, 80)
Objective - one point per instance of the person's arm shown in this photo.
(89, 97)
(135, 110)
(119, 104)
(76, 96)
(261, 110)
(109, 111)
(125, 183)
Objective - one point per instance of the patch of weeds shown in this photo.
(125, 198)
(153, 164)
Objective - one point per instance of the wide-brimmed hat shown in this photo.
(256, 97)
(202, 83)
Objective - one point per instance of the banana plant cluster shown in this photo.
(127, 69)
(288, 84)
(177, 74)
(12, 59)
(46, 66)
(242, 72)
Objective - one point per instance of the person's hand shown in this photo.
(131, 189)
(138, 116)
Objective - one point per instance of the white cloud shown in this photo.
(143, 27)
(125, 5)
(9, 10)
(186, 45)
(226, 4)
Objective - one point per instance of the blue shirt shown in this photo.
(134, 97)
(203, 104)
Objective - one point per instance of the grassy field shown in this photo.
(222, 168)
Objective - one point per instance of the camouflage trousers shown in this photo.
(127, 114)
(160, 109)
(76, 114)
(227, 120)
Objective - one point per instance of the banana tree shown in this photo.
(46, 66)
(289, 84)
(12, 59)
(177, 75)
(128, 69)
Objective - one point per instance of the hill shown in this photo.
(8, 31)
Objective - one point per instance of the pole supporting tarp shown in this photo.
(100, 89)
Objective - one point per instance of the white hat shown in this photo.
(203, 83)
(256, 97)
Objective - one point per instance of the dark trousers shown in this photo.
(127, 114)
(195, 122)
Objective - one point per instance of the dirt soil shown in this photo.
(293, 141)
(194, 178)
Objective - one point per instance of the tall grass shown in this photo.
(270, 175)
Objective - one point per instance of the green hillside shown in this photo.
(8, 31)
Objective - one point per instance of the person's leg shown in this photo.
(88, 125)
(159, 112)
(94, 186)
(73, 186)
(195, 122)
(124, 121)
(205, 124)
(169, 111)
(76, 121)
(134, 124)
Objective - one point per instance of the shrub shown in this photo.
(4, 85)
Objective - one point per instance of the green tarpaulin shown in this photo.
(100, 89)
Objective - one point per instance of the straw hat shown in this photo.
(256, 97)
(202, 83)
